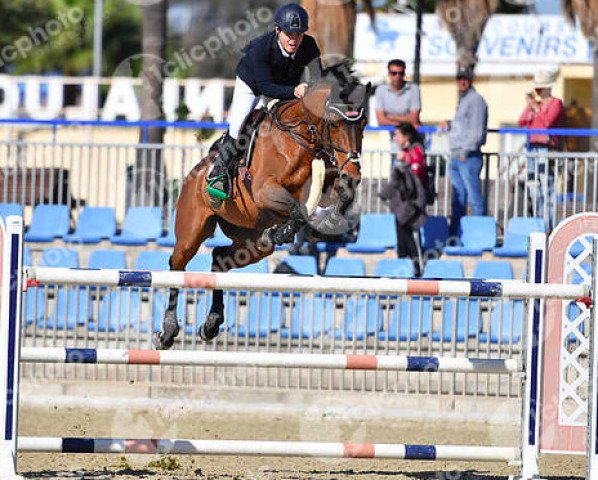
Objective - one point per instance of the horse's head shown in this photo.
(346, 118)
(343, 119)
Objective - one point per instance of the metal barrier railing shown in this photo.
(91, 317)
(547, 185)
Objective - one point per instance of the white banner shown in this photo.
(508, 39)
(42, 98)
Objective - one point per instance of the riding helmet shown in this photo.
(291, 18)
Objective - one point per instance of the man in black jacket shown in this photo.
(271, 69)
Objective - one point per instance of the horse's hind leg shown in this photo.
(248, 249)
(189, 236)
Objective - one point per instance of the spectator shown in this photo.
(405, 192)
(543, 111)
(398, 101)
(467, 134)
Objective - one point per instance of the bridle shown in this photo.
(322, 137)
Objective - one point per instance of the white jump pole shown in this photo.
(269, 359)
(269, 448)
(282, 283)
(11, 238)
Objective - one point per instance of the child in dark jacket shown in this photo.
(405, 191)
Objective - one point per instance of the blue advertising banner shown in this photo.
(507, 39)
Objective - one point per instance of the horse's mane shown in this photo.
(341, 74)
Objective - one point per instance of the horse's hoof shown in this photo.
(284, 234)
(164, 340)
(209, 330)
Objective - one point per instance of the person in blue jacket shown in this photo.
(271, 68)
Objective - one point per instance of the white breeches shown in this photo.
(244, 101)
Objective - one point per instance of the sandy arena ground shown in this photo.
(177, 423)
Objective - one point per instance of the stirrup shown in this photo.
(213, 191)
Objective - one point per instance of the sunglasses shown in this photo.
(396, 72)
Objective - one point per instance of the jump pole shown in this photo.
(269, 359)
(305, 284)
(269, 448)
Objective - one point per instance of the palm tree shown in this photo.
(586, 12)
(149, 168)
(465, 20)
(332, 23)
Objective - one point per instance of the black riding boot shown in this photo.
(218, 179)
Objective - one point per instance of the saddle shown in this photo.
(248, 134)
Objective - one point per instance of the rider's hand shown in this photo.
(532, 102)
(300, 90)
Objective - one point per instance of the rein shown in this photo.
(327, 147)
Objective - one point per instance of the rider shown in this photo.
(271, 69)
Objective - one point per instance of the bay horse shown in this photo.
(267, 206)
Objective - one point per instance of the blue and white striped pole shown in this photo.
(532, 350)
(11, 237)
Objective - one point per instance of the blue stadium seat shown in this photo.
(169, 239)
(107, 259)
(152, 260)
(434, 233)
(27, 261)
(516, 236)
(60, 257)
(35, 304)
(94, 225)
(264, 315)
(469, 312)
(258, 267)
(505, 322)
(302, 264)
(48, 223)
(345, 267)
(410, 320)
(73, 307)
(446, 331)
(218, 240)
(361, 320)
(201, 262)
(311, 316)
(478, 233)
(377, 232)
(7, 209)
(443, 269)
(493, 270)
(118, 310)
(63, 258)
(141, 225)
(395, 268)
(447, 270)
(72, 303)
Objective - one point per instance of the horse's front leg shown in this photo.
(244, 251)
(285, 232)
(345, 189)
(278, 201)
